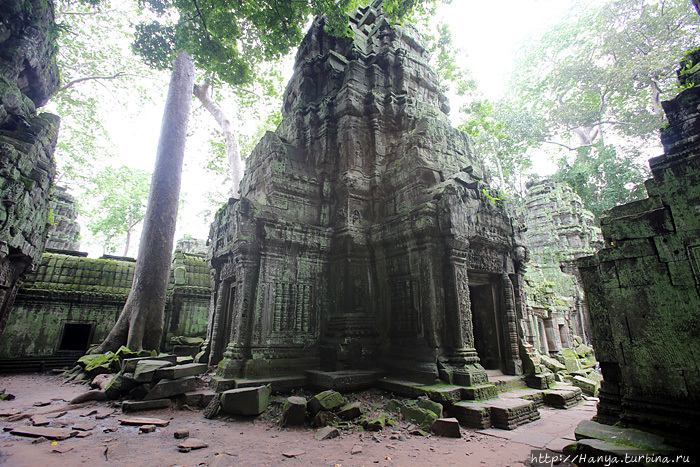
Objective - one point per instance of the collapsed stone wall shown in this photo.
(64, 230)
(363, 237)
(643, 288)
(28, 78)
(559, 230)
(71, 302)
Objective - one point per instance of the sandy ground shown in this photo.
(251, 442)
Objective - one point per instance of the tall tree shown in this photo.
(140, 323)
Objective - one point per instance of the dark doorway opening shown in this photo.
(487, 336)
(76, 336)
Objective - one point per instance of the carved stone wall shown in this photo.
(360, 222)
(64, 230)
(28, 78)
(643, 288)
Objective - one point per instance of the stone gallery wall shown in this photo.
(64, 230)
(643, 288)
(363, 237)
(28, 78)
(559, 230)
(72, 301)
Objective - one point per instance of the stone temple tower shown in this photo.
(365, 236)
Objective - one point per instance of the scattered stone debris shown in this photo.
(147, 429)
(327, 432)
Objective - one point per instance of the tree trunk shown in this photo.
(203, 93)
(140, 323)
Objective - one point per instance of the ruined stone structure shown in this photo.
(559, 231)
(28, 78)
(64, 230)
(71, 302)
(643, 288)
(363, 237)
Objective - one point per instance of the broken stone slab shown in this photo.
(46, 432)
(245, 401)
(572, 364)
(326, 400)
(293, 453)
(129, 364)
(39, 420)
(84, 427)
(171, 387)
(327, 432)
(138, 421)
(135, 406)
(294, 411)
(181, 371)
(447, 427)
(350, 411)
(433, 406)
(191, 443)
(145, 371)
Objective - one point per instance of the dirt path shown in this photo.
(249, 442)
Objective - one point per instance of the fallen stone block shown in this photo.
(350, 411)
(245, 401)
(182, 434)
(326, 400)
(448, 427)
(588, 386)
(145, 371)
(508, 414)
(327, 432)
(551, 363)
(129, 364)
(46, 432)
(135, 406)
(563, 398)
(423, 417)
(140, 391)
(324, 418)
(168, 388)
(433, 406)
(122, 383)
(138, 421)
(147, 429)
(294, 411)
(181, 371)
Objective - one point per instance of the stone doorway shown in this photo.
(76, 336)
(486, 304)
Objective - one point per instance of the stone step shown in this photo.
(472, 414)
(343, 381)
(437, 392)
(481, 392)
(528, 394)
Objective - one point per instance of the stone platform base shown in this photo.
(343, 381)
(437, 392)
(563, 396)
(509, 414)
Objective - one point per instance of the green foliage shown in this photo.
(119, 196)
(603, 177)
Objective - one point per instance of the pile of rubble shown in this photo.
(576, 366)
